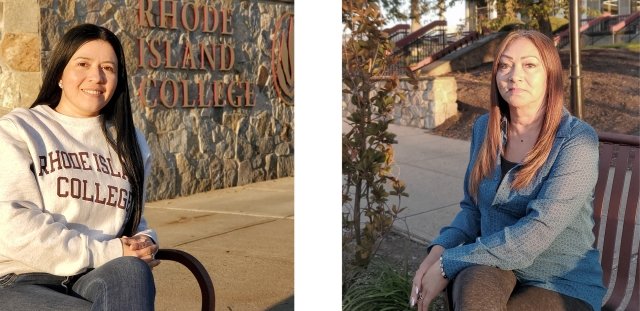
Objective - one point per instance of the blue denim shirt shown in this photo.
(542, 232)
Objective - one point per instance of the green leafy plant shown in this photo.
(367, 155)
(382, 288)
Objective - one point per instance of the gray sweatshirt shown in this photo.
(63, 193)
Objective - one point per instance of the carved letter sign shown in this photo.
(282, 57)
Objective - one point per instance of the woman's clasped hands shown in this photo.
(428, 281)
(140, 246)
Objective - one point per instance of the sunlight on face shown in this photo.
(521, 76)
(89, 80)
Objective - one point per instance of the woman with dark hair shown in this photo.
(523, 239)
(72, 234)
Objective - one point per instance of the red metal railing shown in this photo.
(466, 40)
(416, 35)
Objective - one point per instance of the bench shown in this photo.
(615, 216)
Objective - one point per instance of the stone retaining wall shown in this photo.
(428, 106)
(212, 120)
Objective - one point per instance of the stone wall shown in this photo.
(427, 106)
(20, 73)
(212, 120)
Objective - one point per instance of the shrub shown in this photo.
(367, 154)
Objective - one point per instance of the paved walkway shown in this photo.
(433, 169)
(244, 238)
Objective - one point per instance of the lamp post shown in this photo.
(574, 60)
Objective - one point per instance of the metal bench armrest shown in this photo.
(198, 270)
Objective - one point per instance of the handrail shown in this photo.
(472, 36)
(589, 24)
(396, 28)
(418, 33)
(619, 26)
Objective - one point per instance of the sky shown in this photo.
(454, 16)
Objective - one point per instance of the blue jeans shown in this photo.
(125, 283)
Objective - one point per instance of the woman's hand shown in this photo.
(425, 280)
(140, 246)
(432, 284)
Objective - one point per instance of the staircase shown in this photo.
(605, 29)
(425, 45)
(627, 30)
(468, 38)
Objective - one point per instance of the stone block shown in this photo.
(21, 51)
(263, 75)
(259, 175)
(245, 173)
(167, 120)
(230, 173)
(67, 9)
(285, 166)
(10, 94)
(21, 16)
(93, 18)
(18, 88)
(202, 167)
(257, 162)
(177, 140)
(216, 174)
(266, 146)
(282, 149)
(261, 122)
(205, 138)
(244, 150)
(93, 5)
(164, 179)
(271, 166)
(28, 86)
(187, 172)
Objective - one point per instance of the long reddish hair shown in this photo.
(552, 106)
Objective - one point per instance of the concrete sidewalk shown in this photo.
(433, 169)
(244, 238)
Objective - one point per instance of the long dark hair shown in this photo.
(116, 113)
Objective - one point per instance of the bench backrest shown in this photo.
(617, 228)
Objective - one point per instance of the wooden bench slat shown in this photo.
(634, 194)
(613, 212)
(634, 303)
(606, 154)
(625, 155)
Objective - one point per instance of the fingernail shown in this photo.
(417, 291)
(413, 302)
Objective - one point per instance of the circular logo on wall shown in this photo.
(282, 57)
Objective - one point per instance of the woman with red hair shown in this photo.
(523, 238)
